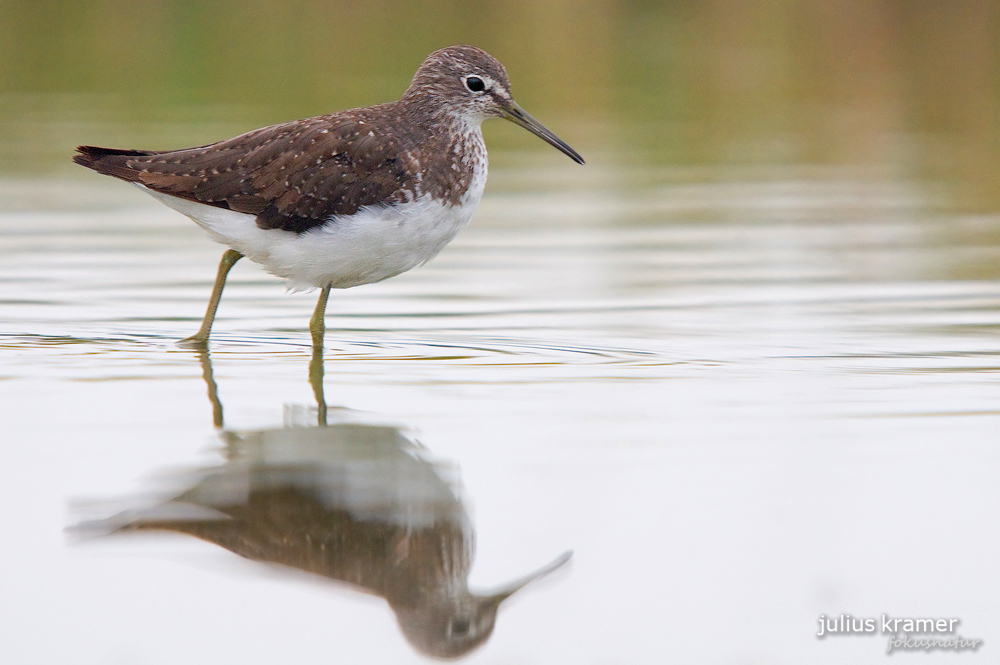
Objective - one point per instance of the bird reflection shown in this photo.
(359, 503)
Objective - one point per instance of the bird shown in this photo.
(344, 199)
(362, 504)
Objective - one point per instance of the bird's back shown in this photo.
(293, 176)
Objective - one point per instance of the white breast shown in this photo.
(373, 244)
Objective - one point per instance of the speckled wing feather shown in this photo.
(292, 176)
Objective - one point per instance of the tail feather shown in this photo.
(110, 161)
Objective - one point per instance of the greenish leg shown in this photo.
(317, 324)
(200, 338)
(213, 387)
(316, 381)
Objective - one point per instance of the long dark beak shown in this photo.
(497, 596)
(519, 116)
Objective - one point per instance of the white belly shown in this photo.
(376, 243)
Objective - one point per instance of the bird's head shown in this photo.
(469, 83)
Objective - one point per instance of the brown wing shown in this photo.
(292, 176)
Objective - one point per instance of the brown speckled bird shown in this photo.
(345, 199)
(354, 502)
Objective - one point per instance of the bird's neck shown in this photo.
(429, 110)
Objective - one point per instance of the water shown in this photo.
(737, 424)
(744, 364)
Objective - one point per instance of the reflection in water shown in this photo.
(358, 503)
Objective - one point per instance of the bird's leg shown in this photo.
(213, 387)
(316, 381)
(317, 324)
(200, 338)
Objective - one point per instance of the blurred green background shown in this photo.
(902, 89)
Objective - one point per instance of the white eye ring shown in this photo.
(475, 84)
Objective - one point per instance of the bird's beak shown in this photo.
(519, 116)
(501, 594)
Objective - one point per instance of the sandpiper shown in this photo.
(352, 502)
(345, 199)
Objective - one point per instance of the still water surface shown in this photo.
(743, 401)
(745, 364)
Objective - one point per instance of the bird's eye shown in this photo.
(459, 627)
(475, 84)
